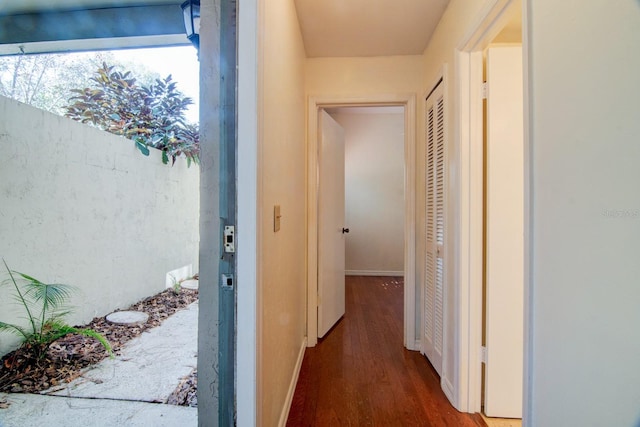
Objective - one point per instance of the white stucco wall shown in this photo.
(374, 191)
(84, 207)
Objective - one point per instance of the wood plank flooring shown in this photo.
(360, 374)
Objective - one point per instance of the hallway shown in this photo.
(360, 374)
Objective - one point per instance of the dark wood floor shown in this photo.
(360, 374)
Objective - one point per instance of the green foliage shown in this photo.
(152, 116)
(45, 80)
(45, 305)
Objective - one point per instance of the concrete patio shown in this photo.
(131, 389)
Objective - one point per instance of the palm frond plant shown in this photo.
(45, 306)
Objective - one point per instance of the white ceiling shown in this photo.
(367, 27)
(329, 27)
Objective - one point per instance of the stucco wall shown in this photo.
(374, 191)
(84, 207)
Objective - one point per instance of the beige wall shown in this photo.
(282, 280)
(363, 76)
(84, 207)
(374, 191)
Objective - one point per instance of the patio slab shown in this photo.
(127, 390)
(33, 410)
(150, 366)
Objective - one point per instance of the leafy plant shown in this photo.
(45, 305)
(176, 284)
(152, 116)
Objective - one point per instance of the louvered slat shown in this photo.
(433, 292)
(439, 226)
(430, 214)
(439, 179)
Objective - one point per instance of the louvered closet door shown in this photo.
(432, 307)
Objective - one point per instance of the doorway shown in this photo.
(315, 106)
(500, 23)
(503, 232)
(374, 189)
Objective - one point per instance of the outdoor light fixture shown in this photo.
(191, 15)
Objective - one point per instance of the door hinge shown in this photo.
(229, 238)
(483, 354)
(485, 90)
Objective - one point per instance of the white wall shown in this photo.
(374, 191)
(282, 181)
(584, 347)
(84, 207)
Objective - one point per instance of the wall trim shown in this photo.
(249, 194)
(527, 392)
(315, 104)
(284, 415)
(374, 273)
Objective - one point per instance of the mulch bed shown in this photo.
(186, 392)
(22, 372)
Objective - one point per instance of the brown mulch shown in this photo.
(21, 371)
(186, 392)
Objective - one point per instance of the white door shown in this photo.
(504, 233)
(330, 223)
(433, 291)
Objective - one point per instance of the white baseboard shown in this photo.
(447, 388)
(373, 273)
(414, 346)
(284, 415)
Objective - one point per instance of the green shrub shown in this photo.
(45, 306)
(152, 116)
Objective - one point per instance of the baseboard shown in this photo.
(447, 388)
(284, 415)
(373, 273)
(414, 346)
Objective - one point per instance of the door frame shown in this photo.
(469, 139)
(315, 104)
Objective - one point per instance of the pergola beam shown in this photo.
(90, 29)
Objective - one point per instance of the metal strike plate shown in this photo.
(227, 281)
(229, 238)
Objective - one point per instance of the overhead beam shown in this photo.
(94, 44)
(105, 23)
